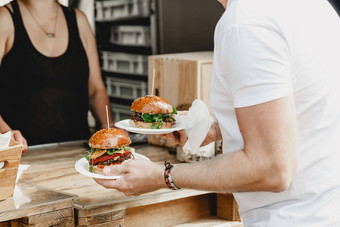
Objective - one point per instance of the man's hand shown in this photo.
(138, 177)
(17, 136)
(180, 137)
(177, 137)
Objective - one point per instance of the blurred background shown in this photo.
(128, 31)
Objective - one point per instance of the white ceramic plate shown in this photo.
(125, 124)
(82, 166)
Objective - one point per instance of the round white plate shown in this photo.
(125, 124)
(82, 166)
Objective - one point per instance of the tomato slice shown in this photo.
(106, 157)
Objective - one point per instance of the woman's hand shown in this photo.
(138, 177)
(17, 136)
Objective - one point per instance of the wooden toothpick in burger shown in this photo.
(107, 118)
(153, 81)
(108, 147)
(152, 112)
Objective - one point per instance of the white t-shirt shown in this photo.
(268, 49)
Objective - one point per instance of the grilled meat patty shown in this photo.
(120, 159)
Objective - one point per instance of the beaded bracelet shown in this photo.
(167, 176)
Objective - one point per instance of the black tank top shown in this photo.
(46, 98)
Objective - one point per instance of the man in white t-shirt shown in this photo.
(275, 92)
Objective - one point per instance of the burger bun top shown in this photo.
(151, 104)
(109, 139)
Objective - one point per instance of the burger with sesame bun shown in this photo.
(108, 147)
(152, 112)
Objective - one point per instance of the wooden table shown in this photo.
(33, 205)
(52, 167)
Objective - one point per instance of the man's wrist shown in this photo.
(160, 177)
(169, 181)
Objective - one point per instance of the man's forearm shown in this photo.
(234, 172)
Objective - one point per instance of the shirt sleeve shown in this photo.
(255, 62)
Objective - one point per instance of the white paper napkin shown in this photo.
(5, 139)
(196, 125)
(21, 169)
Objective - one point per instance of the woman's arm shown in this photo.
(97, 91)
(16, 134)
(6, 43)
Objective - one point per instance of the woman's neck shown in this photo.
(41, 8)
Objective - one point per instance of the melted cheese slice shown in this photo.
(98, 153)
(120, 152)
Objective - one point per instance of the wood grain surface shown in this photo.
(29, 200)
(11, 158)
(51, 186)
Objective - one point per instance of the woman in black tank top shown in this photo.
(48, 97)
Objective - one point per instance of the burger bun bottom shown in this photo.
(141, 124)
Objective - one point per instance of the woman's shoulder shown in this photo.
(84, 28)
(6, 22)
(5, 16)
(81, 18)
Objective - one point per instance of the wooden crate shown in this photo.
(180, 79)
(227, 207)
(11, 157)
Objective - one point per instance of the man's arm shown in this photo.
(98, 98)
(267, 163)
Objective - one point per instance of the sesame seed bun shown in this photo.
(151, 104)
(109, 138)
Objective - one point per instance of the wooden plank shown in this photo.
(5, 224)
(48, 217)
(16, 223)
(101, 218)
(116, 223)
(227, 207)
(171, 213)
(210, 222)
(11, 158)
(160, 196)
(42, 208)
(64, 222)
